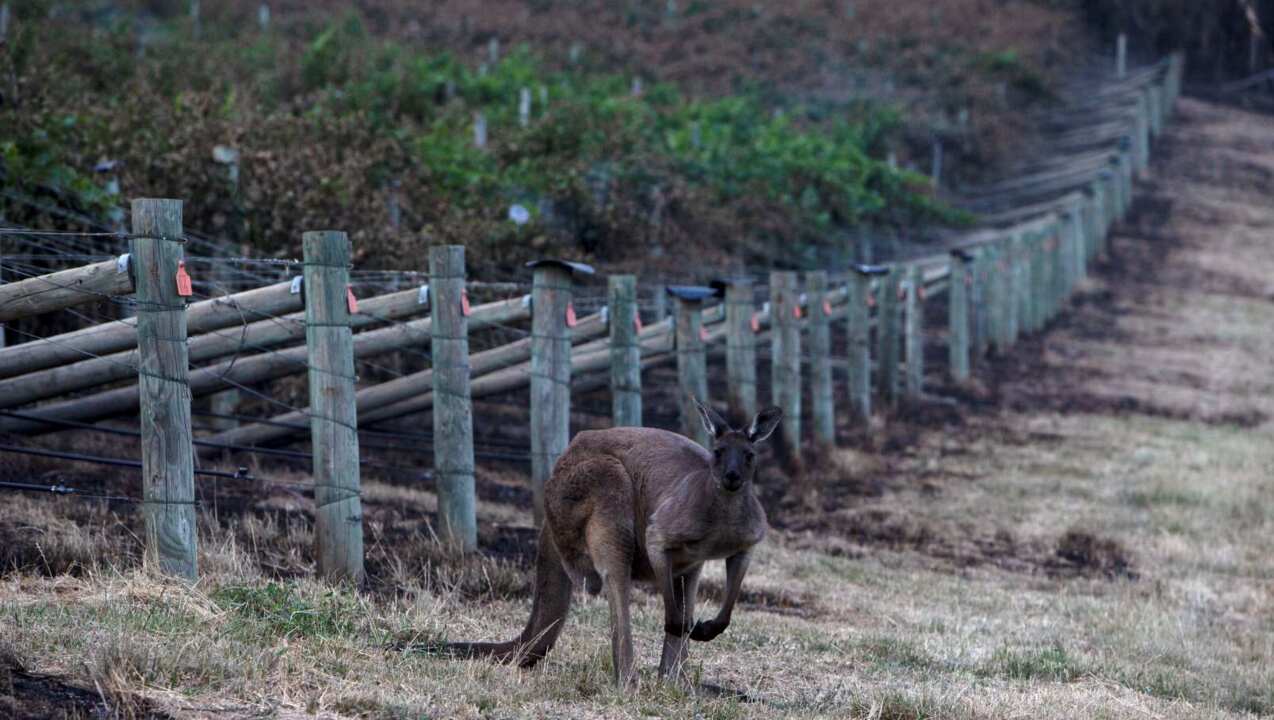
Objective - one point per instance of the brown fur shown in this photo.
(649, 505)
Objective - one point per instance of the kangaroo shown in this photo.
(642, 504)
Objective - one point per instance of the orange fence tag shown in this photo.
(756, 322)
(570, 315)
(185, 288)
(827, 307)
(636, 319)
(464, 303)
(350, 300)
(796, 311)
(871, 300)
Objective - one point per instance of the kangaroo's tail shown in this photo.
(549, 606)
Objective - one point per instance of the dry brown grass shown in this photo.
(1097, 544)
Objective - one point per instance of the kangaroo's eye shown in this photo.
(718, 452)
(750, 458)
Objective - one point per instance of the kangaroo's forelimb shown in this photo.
(736, 566)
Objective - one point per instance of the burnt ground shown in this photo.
(30, 696)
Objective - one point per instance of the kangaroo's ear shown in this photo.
(712, 420)
(764, 423)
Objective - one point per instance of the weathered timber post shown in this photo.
(4, 8)
(1176, 73)
(958, 315)
(888, 336)
(1126, 163)
(551, 292)
(453, 408)
(913, 333)
(1035, 281)
(1028, 245)
(1157, 110)
(740, 350)
(1001, 296)
(338, 521)
(168, 467)
(1013, 290)
(625, 352)
(1093, 211)
(822, 403)
(692, 361)
(858, 329)
(1106, 203)
(225, 404)
(1121, 56)
(1069, 238)
(979, 294)
(659, 297)
(1057, 265)
(785, 353)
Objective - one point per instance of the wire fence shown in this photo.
(252, 351)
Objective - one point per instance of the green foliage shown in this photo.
(37, 160)
(344, 113)
(1047, 663)
(280, 610)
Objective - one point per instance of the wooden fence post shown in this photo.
(550, 373)
(1125, 164)
(1001, 295)
(913, 333)
(858, 327)
(1094, 211)
(6, 7)
(740, 350)
(1121, 56)
(1057, 266)
(1157, 110)
(785, 354)
(692, 369)
(1013, 290)
(226, 403)
(625, 352)
(979, 299)
(659, 297)
(958, 316)
(1038, 282)
(887, 336)
(453, 409)
(1066, 255)
(822, 403)
(168, 467)
(338, 521)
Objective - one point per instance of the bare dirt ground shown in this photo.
(1090, 534)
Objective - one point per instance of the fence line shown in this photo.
(1041, 231)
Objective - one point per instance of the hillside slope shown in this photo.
(726, 128)
(1091, 539)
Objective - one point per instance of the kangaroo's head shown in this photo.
(734, 451)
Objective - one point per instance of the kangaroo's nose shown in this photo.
(732, 476)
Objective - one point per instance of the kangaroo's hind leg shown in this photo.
(612, 546)
(589, 506)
